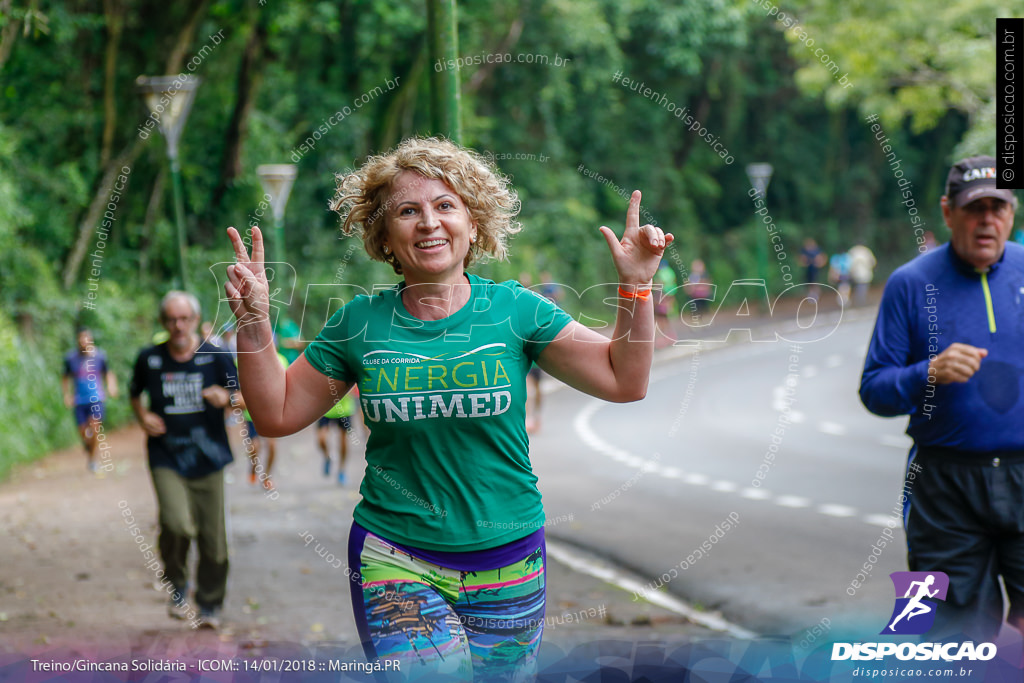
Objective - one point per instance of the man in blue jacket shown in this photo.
(948, 350)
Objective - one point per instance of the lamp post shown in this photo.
(169, 100)
(760, 175)
(277, 181)
(443, 45)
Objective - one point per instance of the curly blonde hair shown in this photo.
(364, 196)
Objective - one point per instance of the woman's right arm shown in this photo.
(280, 402)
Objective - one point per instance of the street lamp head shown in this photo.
(760, 175)
(169, 100)
(277, 180)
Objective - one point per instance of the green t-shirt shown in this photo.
(345, 406)
(447, 460)
(287, 331)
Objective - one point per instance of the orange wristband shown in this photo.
(642, 294)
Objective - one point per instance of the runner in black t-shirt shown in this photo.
(189, 383)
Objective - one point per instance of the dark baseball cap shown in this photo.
(973, 178)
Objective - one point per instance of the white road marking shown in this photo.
(633, 462)
(833, 428)
(587, 435)
(617, 577)
(833, 510)
(882, 520)
(792, 501)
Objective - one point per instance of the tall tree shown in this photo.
(113, 13)
(250, 75)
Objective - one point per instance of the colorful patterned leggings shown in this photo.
(476, 625)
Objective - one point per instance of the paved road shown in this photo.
(649, 483)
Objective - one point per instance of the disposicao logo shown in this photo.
(917, 594)
(914, 613)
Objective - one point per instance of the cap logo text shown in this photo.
(987, 173)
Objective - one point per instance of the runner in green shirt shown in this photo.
(446, 553)
(340, 415)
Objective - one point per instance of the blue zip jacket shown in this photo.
(930, 303)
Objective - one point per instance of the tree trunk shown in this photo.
(484, 72)
(113, 11)
(8, 33)
(152, 210)
(349, 46)
(92, 216)
(186, 37)
(700, 113)
(397, 120)
(250, 75)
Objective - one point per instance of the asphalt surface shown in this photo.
(751, 470)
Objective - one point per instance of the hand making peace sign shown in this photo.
(247, 288)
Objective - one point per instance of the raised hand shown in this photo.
(247, 288)
(638, 255)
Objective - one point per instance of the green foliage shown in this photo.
(13, 214)
(903, 67)
(32, 397)
(553, 123)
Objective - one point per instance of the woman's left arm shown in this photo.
(615, 369)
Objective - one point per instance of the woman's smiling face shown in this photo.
(429, 229)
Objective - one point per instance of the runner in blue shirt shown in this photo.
(947, 351)
(85, 376)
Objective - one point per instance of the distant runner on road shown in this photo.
(341, 416)
(258, 472)
(85, 376)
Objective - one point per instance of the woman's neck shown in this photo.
(435, 300)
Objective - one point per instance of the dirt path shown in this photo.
(75, 575)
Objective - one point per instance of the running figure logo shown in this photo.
(914, 613)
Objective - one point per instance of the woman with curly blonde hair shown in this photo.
(447, 544)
